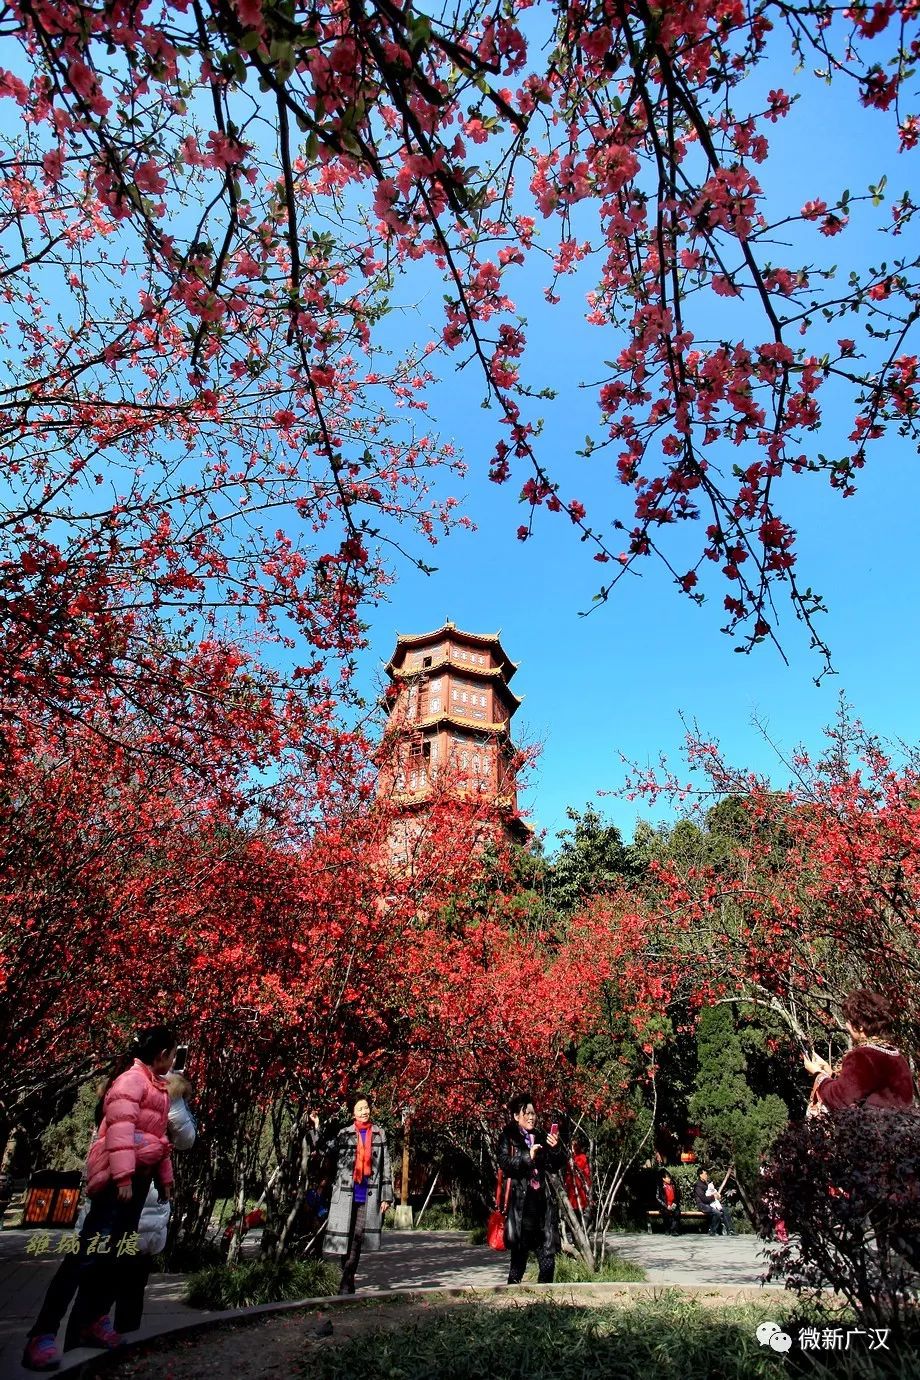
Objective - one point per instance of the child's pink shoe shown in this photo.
(41, 1353)
(102, 1334)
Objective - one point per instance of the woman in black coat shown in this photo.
(526, 1157)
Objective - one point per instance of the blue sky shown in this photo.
(616, 682)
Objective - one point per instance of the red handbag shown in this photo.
(495, 1227)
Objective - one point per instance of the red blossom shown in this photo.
(257, 289)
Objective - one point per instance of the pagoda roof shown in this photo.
(444, 716)
(406, 641)
(496, 673)
(411, 801)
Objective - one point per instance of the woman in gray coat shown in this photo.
(361, 1195)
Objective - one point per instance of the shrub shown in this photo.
(261, 1281)
(615, 1270)
(665, 1338)
(64, 1142)
(847, 1188)
(443, 1219)
(684, 1175)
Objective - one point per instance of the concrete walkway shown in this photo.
(430, 1260)
(409, 1260)
(695, 1258)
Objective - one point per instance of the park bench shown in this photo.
(696, 1218)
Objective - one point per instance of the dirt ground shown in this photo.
(276, 1348)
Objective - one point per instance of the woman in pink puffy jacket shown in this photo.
(131, 1150)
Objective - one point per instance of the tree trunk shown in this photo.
(428, 1198)
(304, 1146)
(575, 1222)
(236, 1240)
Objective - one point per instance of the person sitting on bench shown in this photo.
(709, 1201)
(668, 1197)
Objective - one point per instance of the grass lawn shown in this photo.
(510, 1336)
(664, 1338)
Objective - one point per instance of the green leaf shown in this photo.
(419, 31)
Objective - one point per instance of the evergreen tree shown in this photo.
(736, 1126)
(592, 861)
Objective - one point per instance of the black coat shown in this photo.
(517, 1166)
(703, 1203)
(662, 1201)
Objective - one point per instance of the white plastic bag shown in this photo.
(154, 1226)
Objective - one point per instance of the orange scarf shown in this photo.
(364, 1152)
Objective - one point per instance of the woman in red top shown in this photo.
(874, 1073)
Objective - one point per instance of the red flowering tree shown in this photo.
(574, 1017)
(86, 840)
(284, 944)
(203, 203)
(819, 893)
(107, 851)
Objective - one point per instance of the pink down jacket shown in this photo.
(132, 1133)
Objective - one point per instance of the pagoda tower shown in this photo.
(450, 707)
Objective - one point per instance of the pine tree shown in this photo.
(736, 1127)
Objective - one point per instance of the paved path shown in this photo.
(427, 1260)
(695, 1258)
(409, 1260)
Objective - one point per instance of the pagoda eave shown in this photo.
(406, 641)
(446, 719)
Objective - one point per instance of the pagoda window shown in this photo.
(426, 661)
